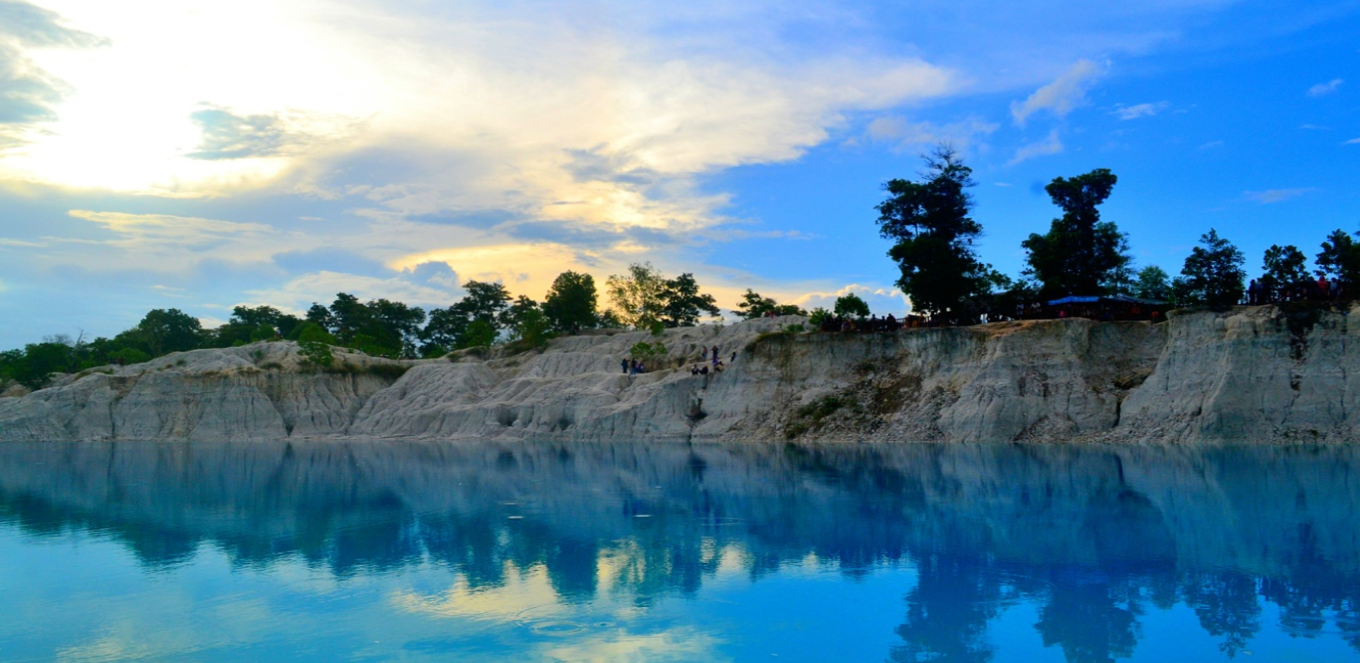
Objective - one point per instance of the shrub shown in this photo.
(317, 353)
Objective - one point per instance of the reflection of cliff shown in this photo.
(1252, 375)
(1093, 533)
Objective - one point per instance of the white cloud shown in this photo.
(469, 109)
(1353, 141)
(1275, 195)
(908, 134)
(1324, 89)
(1050, 145)
(1140, 110)
(1062, 95)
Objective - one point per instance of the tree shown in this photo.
(442, 333)
(322, 316)
(39, 361)
(479, 334)
(682, 303)
(486, 302)
(1153, 283)
(570, 304)
(1340, 260)
(1283, 268)
(934, 234)
(851, 305)
(1080, 254)
(1213, 273)
(638, 296)
(754, 306)
(170, 330)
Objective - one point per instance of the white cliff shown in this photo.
(1254, 374)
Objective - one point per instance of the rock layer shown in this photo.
(1254, 374)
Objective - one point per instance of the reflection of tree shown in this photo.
(656, 520)
(1311, 587)
(1083, 617)
(948, 611)
(1226, 605)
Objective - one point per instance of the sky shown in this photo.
(204, 155)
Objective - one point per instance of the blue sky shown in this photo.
(159, 154)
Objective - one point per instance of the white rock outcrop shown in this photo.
(1253, 374)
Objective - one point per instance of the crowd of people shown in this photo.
(1260, 292)
(710, 362)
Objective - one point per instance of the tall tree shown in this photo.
(170, 330)
(753, 306)
(486, 302)
(934, 234)
(1213, 273)
(849, 305)
(570, 304)
(1080, 254)
(1153, 283)
(1340, 260)
(639, 296)
(682, 303)
(1282, 268)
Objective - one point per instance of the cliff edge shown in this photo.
(1258, 374)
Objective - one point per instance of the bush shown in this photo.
(317, 353)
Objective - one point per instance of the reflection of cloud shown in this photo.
(1050, 145)
(680, 644)
(1276, 195)
(1061, 96)
(523, 591)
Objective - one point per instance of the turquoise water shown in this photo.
(619, 552)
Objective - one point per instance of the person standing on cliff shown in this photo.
(715, 355)
(624, 363)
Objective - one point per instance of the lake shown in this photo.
(386, 550)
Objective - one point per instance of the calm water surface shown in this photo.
(618, 552)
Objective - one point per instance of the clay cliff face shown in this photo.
(1251, 375)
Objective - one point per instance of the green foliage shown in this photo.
(1080, 254)
(644, 297)
(644, 351)
(812, 416)
(638, 296)
(818, 315)
(1213, 273)
(127, 356)
(571, 301)
(933, 233)
(38, 362)
(532, 328)
(310, 331)
(1283, 267)
(479, 334)
(169, 330)
(795, 328)
(380, 327)
(754, 306)
(317, 353)
(682, 303)
(1340, 260)
(850, 305)
(1153, 283)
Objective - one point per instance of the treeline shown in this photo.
(929, 220)
(642, 298)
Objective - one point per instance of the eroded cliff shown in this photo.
(1254, 374)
